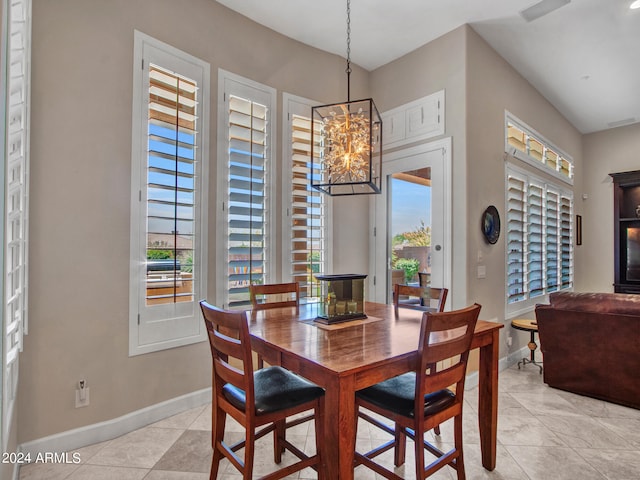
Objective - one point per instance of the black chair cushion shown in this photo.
(275, 389)
(398, 393)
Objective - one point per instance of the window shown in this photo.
(168, 221)
(305, 228)
(245, 145)
(14, 108)
(539, 239)
(527, 145)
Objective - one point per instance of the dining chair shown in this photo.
(260, 401)
(261, 295)
(419, 400)
(419, 298)
(424, 279)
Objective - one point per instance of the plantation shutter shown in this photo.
(247, 214)
(308, 208)
(170, 187)
(566, 236)
(535, 261)
(515, 238)
(18, 54)
(539, 237)
(552, 241)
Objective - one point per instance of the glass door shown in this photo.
(411, 220)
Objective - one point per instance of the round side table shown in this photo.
(532, 327)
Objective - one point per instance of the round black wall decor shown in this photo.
(491, 224)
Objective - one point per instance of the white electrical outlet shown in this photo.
(509, 341)
(82, 394)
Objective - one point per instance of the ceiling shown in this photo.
(584, 57)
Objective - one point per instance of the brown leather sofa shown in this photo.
(591, 345)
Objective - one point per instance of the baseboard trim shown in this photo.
(110, 429)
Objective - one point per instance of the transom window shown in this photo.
(526, 144)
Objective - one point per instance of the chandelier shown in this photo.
(347, 142)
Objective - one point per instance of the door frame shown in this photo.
(378, 210)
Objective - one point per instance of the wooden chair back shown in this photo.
(230, 346)
(436, 297)
(259, 295)
(444, 336)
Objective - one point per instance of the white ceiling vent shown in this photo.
(542, 8)
(620, 123)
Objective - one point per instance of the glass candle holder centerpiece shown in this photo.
(342, 298)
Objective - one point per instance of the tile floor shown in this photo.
(543, 434)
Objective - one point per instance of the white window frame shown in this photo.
(295, 105)
(15, 71)
(159, 327)
(517, 308)
(233, 84)
(509, 118)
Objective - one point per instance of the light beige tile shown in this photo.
(506, 466)
(192, 452)
(508, 405)
(627, 428)
(141, 448)
(525, 380)
(165, 475)
(613, 464)
(202, 421)
(525, 431)
(547, 402)
(582, 432)
(86, 453)
(99, 472)
(46, 471)
(182, 420)
(557, 463)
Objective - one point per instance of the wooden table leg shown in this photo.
(488, 401)
(339, 430)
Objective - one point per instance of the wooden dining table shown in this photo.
(346, 357)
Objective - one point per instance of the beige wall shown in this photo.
(80, 194)
(493, 86)
(609, 151)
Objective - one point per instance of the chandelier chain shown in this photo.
(348, 70)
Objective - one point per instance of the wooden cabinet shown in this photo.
(626, 213)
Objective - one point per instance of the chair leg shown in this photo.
(249, 452)
(279, 435)
(319, 427)
(432, 368)
(400, 450)
(418, 442)
(219, 420)
(457, 425)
